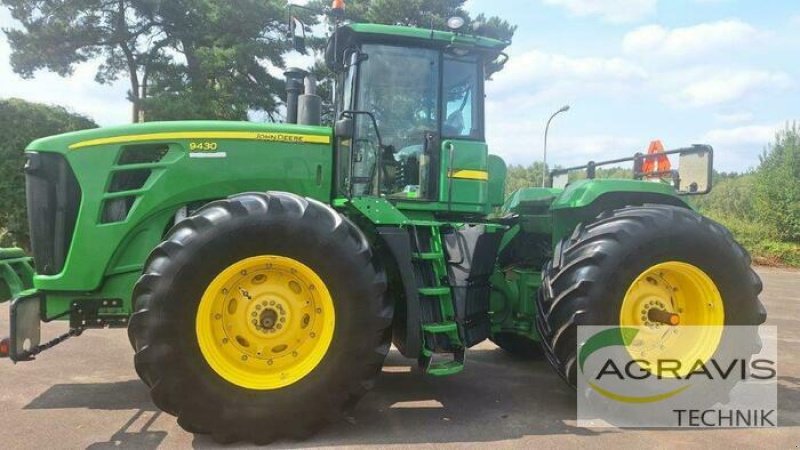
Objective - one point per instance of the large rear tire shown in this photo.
(260, 317)
(593, 271)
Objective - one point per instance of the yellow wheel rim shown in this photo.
(679, 313)
(265, 322)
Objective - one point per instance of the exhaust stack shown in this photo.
(294, 86)
(303, 105)
(310, 104)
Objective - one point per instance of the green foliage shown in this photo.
(732, 196)
(185, 59)
(777, 193)
(604, 172)
(520, 176)
(20, 123)
(225, 48)
(758, 240)
(531, 176)
(762, 208)
(422, 14)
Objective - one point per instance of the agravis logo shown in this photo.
(637, 376)
(610, 338)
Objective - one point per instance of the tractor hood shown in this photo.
(185, 130)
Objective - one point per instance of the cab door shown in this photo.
(464, 181)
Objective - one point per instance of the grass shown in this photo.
(765, 249)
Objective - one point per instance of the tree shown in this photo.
(777, 190)
(20, 123)
(732, 196)
(57, 35)
(520, 176)
(183, 58)
(226, 48)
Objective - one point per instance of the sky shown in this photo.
(719, 72)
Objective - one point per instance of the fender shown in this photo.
(586, 199)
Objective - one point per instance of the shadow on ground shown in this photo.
(119, 396)
(496, 398)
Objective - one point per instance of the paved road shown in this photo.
(85, 394)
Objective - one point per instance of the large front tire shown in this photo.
(262, 316)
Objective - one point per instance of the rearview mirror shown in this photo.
(344, 128)
(695, 171)
(560, 180)
(297, 33)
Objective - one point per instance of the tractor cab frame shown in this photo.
(410, 122)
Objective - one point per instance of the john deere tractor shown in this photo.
(264, 270)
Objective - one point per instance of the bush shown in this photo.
(20, 123)
(777, 192)
(732, 196)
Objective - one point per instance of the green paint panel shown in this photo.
(512, 303)
(464, 175)
(200, 161)
(497, 180)
(527, 199)
(583, 192)
(379, 211)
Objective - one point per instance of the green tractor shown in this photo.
(263, 271)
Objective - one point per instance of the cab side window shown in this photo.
(462, 117)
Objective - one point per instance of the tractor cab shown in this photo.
(410, 117)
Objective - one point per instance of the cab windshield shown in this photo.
(407, 90)
(400, 86)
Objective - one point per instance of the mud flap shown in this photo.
(472, 252)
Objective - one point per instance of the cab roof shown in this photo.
(355, 33)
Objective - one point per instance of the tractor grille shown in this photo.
(53, 197)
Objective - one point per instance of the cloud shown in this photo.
(735, 146)
(543, 75)
(615, 11)
(516, 133)
(746, 135)
(712, 86)
(734, 117)
(655, 41)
